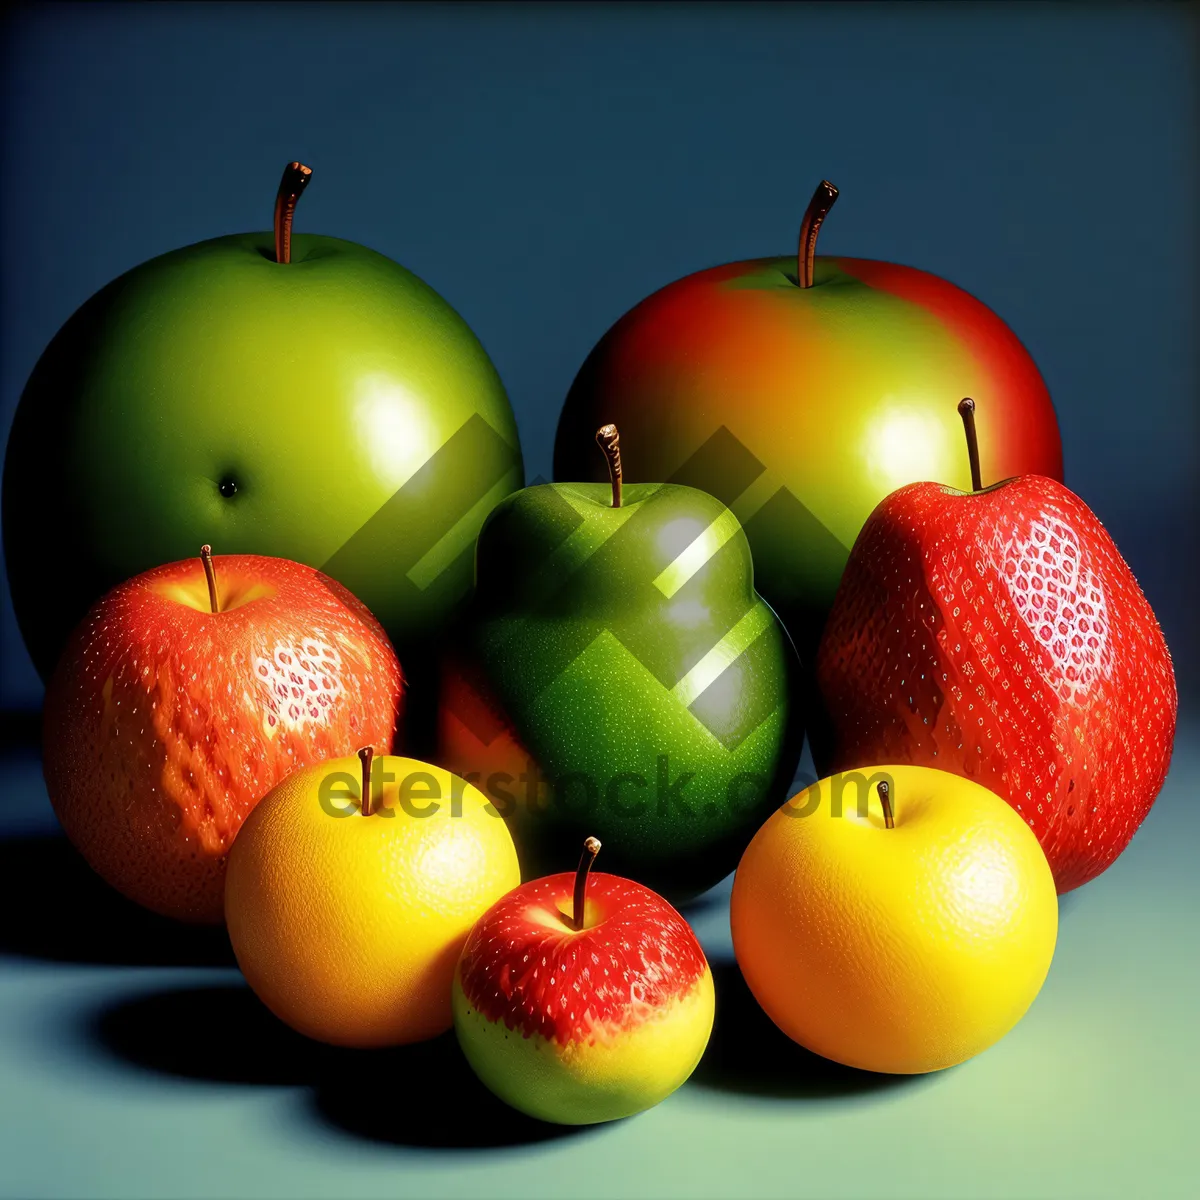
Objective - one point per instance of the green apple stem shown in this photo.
(210, 574)
(295, 180)
(818, 209)
(610, 443)
(885, 799)
(364, 757)
(966, 410)
(591, 847)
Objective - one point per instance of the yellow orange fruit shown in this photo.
(903, 949)
(348, 927)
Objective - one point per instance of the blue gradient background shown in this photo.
(544, 168)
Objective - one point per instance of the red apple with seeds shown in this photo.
(1000, 635)
(185, 695)
(580, 999)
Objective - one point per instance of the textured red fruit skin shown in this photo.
(1000, 635)
(524, 966)
(164, 724)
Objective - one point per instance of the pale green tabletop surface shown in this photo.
(134, 1062)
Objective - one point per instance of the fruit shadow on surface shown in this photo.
(748, 1054)
(423, 1096)
(57, 909)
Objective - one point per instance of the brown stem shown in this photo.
(295, 180)
(966, 410)
(818, 209)
(610, 443)
(885, 799)
(591, 847)
(210, 573)
(364, 757)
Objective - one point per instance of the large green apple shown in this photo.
(619, 676)
(329, 408)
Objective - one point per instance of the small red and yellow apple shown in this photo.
(580, 1000)
(351, 889)
(186, 694)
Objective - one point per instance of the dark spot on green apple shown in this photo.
(228, 487)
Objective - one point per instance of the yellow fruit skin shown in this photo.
(613, 1075)
(349, 928)
(898, 950)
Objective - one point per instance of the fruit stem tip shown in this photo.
(365, 755)
(966, 410)
(885, 799)
(609, 440)
(210, 574)
(816, 212)
(295, 179)
(591, 847)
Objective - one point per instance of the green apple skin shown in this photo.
(361, 422)
(618, 651)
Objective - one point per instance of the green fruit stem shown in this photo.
(210, 574)
(295, 180)
(591, 847)
(364, 757)
(818, 209)
(966, 410)
(609, 440)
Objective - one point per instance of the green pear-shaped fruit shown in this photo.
(619, 676)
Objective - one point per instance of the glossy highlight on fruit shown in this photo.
(166, 722)
(999, 634)
(904, 949)
(583, 1025)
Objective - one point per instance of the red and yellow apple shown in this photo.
(580, 1000)
(800, 391)
(185, 695)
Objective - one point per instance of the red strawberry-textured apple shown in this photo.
(999, 634)
(579, 1000)
(185, 695)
